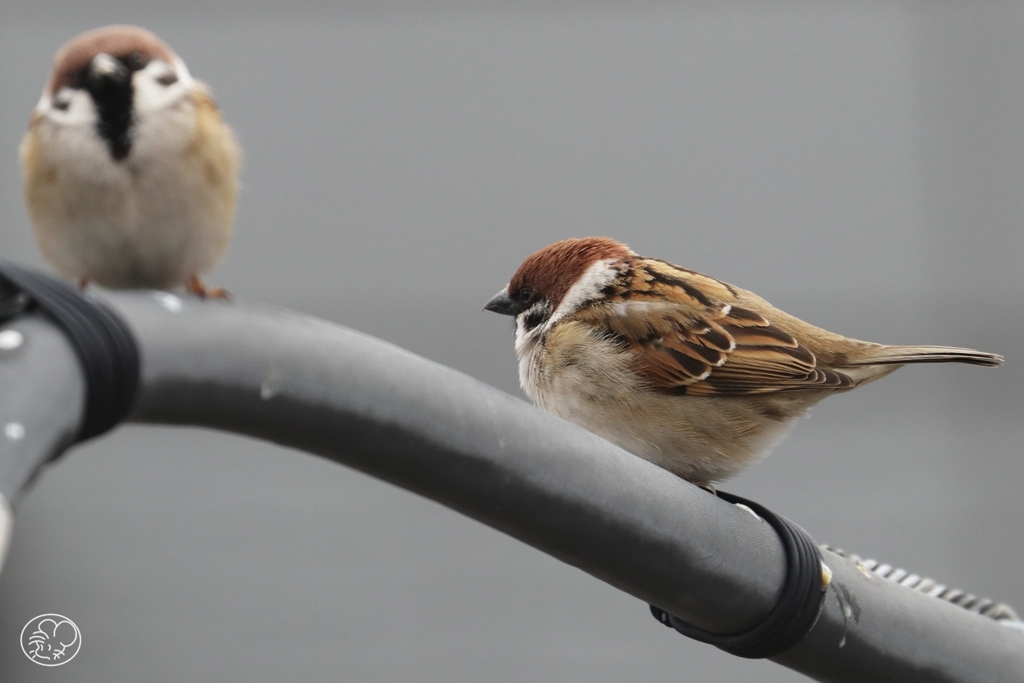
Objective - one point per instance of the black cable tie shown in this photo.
(102, 340)
(799, 605)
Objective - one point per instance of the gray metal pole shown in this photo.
(322, 388)
(41, 401)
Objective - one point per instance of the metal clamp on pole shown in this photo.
(101, 339)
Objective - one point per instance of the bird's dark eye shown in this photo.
(526, 296)
(167, 79)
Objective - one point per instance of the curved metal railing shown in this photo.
(361, 402)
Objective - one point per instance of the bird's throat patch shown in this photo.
(115, 119)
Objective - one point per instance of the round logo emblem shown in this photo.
(51, 640)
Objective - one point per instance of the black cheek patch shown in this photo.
(533, 319)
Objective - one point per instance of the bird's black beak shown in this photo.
(504, 304)
(106, 73)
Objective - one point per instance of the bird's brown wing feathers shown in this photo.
(689, 339)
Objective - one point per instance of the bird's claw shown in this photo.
(707, 487)
(196, 287)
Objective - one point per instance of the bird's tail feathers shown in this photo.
(898, 355)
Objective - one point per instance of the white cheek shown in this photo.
(69, 140)
(78, 112)
(150, 95)
(164, 115)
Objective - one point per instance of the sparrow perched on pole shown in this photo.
(688, 372)
(130, 173)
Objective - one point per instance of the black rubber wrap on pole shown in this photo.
(101, 340)
(799, 603)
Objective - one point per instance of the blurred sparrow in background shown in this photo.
(692, 374)
(130, 173)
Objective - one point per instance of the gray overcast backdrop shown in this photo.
(860, 165)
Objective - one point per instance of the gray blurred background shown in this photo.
(861, 165)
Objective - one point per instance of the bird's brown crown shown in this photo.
(551, 271)
(119, 41)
